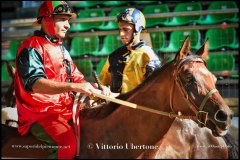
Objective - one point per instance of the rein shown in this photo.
(135, 106)
(200, 116)
(79, 101)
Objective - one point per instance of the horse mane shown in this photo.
(105, 110)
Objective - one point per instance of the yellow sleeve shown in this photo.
(105, 76)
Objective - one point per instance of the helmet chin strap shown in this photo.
(133, 36)
(49, 24)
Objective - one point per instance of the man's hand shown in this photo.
(114, 94)
(85, 87)
(90, 88)
(106, 91)
(47, 86)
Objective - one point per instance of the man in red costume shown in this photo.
(46, 80)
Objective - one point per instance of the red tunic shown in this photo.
(34, 106)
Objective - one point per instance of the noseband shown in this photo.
(200, 115)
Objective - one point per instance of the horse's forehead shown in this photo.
(197, 68)
(196, 64)
(200, 66)
(189, 61)
(203, 70)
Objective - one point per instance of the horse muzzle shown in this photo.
(220, 122)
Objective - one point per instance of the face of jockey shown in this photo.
(131, 22)
(49, 13)
(60, 26)
(126, 31)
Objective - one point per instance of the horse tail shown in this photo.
(232, 144)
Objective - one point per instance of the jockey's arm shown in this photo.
(46, 86)
(34, 78)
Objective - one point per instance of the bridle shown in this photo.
(200, 115)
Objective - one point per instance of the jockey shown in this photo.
(129, 65)
(47, 80)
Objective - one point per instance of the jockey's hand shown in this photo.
(106, 90)
(85, 87)
(114, 94)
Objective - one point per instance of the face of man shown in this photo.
(125, 31)
(61, 25)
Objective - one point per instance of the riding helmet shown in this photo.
(133, 16)
(48, 8)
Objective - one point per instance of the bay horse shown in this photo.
(116, 131)
(183, 86)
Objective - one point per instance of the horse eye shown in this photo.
(190, 77)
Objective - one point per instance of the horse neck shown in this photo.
(156, 91)
(126, 126)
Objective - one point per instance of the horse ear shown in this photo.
(184, 50)
(203, 51)
(10, 69)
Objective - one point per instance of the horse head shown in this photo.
(197, 84)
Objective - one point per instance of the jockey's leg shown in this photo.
(55, 132)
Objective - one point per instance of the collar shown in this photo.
(138, 45)
(40, 33)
